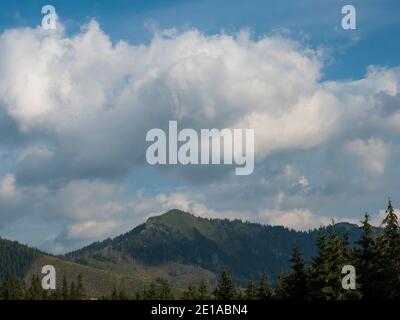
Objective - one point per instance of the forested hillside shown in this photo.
(373, 254)
(247, 249)
(16, 258)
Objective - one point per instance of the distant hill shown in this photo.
(247, 249)
(175, 246)
(23, 261)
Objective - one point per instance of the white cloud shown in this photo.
(372, 153)
(85, 104)
(297, 219)
(92, 230)
(7, 188)
(377, 220)
(96, 99)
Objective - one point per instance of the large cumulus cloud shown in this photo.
(75, 109)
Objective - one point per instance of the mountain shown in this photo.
(24, 262)
(177, 237)
(175, 246)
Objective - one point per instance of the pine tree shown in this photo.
(251, 290)
(114, 294)
(122, 294)
(366, 262)
(64, 289)
(326, 277)
(150, 293)
(318, 268)
(297, 281)
(388, 246)
(203, 291)
(191, 293)
(35, 291)
(264, 291)
(72, 292)
(281, 288)
(80, 290)
(12, 288)
(165, 291)
(56, 294)
(225, 289)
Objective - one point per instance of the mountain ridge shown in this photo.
(176, 236)
(178, 247)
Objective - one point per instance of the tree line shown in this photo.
(14, 288)
(375, 256)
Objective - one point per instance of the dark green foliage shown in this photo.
(15, 258)
(388, 259)
(65, 293)
(80, 290)
(12, 288)
(295, 285)
(326, 277)
(251, 290)
(264, 290)
(281, 288)
(165, 291)
(35, 291)
(191, 293)
(225, 289)
(376, 256)
(161, 291)
(203, 291)
(194, 292)
(245, 248)
(367, 262)
(118, 294)
(197, 293)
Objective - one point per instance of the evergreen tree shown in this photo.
(64, 289)
(72, 292)
(297, 281)
(12, 288)
(264, 291)
(388, 246)
(225, 289)
(203, 291)
(251, 290)
(114, 294)
(318, 268)
(80, 290)
(191, 293)
(35, 291)
(150, 293)
(281, 288)
(326, 277)
(122, 295)
(366, 262)
(165, 291)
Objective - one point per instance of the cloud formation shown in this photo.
(75, 109)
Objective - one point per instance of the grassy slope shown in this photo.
(96, 281)
(187, 224)
(100, 277)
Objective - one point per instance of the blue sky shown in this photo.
(75, 106)
(316, 22)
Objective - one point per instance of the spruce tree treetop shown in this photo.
(225, 289)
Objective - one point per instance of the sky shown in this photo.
(76, 103)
